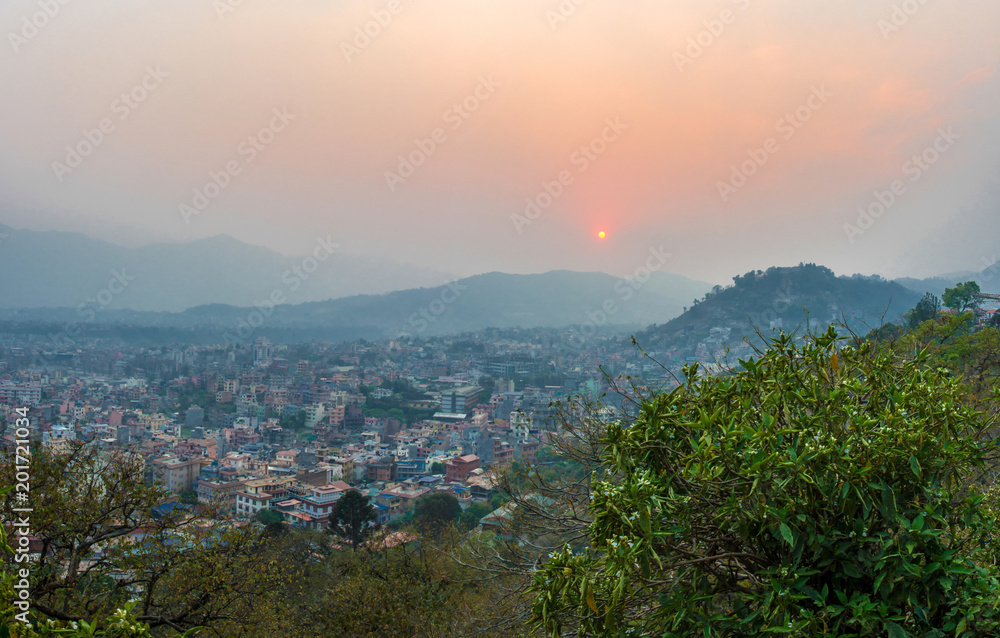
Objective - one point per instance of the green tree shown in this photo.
(268, 516)
(189, 497)
(928, 308)
(471, 516)
(816, 491)
(351, 517)
(405, 590)
(436, 510)
(192, 571)
(274, 522)
(295, 421)
(962, 297)
(437, 467)
(955, 343)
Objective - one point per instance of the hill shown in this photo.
(780, 298)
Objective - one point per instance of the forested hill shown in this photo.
(786, 298)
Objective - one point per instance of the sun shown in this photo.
(602, 235)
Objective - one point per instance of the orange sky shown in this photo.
(553, 86)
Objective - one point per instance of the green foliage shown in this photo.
(97, 503)
(797, 295)
(888, 332)
(962, 297)
(434, 511)
(437, 467)
(268, 516)
(402, 591)
(351, 517)
(295, 421)
(189, 497)
(927, 309)
(816, 491)
(397, 406)
(471, 516)
(956, 343)
(19, 623)
(274, 523)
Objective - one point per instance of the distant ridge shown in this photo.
(552, 299)
(54, 269)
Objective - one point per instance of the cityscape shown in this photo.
(518, 319)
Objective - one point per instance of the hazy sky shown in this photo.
(640, 109)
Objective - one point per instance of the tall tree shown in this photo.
(352, 517)
(962, 297)
(434, 511)
(437, 467)
(928, 308)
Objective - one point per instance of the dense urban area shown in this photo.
(289, 428)
(483, 482)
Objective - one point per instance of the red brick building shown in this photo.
(459, 469)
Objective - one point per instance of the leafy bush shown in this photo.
(816, 491)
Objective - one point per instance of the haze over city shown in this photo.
(506, 318)
(419, 131)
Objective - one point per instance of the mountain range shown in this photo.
(59, 269)
(225, 286)
(220, 286)
(557, 298)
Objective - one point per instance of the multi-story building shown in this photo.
(314, 414)
(411, 468)
(219, 486)
(262, 352)
(459, 469)
(383, 469)
(460, 400)
(309, 507)
(21, 393)
(177, 474)
(354, 419)
(262, 493)
(194, 418)
(400, 499)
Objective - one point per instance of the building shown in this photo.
(460, 400)
(314, 414)
(309, 507)
(176, 474)
(459, 469)
(21, 393)
(411, 468)
(219, 485)
(384, 469)
(262, 352)
(194, 418)
(258, 494)
(525, 451)
(401, 498)
(354, 418)
(381, 393)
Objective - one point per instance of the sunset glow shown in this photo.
(516, 119)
